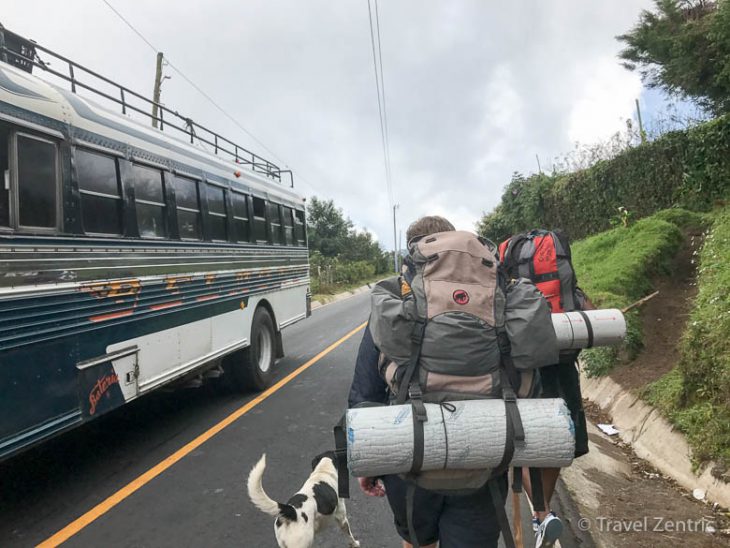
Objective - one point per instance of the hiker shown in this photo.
(544, 257)
(453, 521)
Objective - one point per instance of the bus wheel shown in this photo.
(252, 368)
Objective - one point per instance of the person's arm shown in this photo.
(585, 303)
(367, 384)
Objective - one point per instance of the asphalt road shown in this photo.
(200, 500)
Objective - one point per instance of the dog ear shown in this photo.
(326, 455)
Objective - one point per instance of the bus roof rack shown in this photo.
(24, 54)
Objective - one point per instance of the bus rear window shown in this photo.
(299, 231)
(259, 224)
(150, 202)
(188, 207)
(36, 182)
(274, 222)
(101, 198)
(217, 213)
(4, 176)
(240, 216)
(288, 225)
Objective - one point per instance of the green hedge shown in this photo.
(689, 169)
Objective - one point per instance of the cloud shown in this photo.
(606, 101)
(475, 90)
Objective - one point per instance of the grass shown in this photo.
(616, 268)
(684, 219)
(325, 293)
(695, 395)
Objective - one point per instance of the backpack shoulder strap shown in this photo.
(570, 297)
(509, 254)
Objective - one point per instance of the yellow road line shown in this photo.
(103, 507)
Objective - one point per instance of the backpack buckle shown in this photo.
(417, 333)
(415, 392)
(416, 397)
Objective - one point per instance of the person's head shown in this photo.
(425, 226)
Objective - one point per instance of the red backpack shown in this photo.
(544, 258)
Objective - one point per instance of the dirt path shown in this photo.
(663, 320)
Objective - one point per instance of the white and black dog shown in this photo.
(309, 510)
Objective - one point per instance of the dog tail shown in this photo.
(256, 492)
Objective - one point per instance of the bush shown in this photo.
(689, 169)
(330, 274)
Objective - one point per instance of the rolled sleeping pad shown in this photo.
(585, 329)
(460, 435)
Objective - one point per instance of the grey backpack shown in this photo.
(455, 329)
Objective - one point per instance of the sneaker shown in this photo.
(536, 521)
(548, 532)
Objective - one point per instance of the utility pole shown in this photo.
(641, 126)
(156, 92)
(395, 242)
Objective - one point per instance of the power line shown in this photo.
(378, 78)
(385, 107)
(198, 89)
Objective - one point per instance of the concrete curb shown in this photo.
(652, 437)
(341, 296)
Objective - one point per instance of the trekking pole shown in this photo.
(516, 510)
(639, 302)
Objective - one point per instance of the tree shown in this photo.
(684, 48)
(361, 247)
(328, 229)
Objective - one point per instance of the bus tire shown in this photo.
(253, 367)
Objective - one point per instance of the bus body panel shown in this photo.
(91, 321)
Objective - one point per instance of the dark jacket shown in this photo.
(367, 384)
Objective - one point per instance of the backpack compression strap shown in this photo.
(343, 478)
(498, 503)
(510, 382)
(507, 251)
(410, 496)
(409, 388)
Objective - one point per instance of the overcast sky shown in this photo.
(474, 89)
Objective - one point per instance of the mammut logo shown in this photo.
(460, 297)
(100, 388)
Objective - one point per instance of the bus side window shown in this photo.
(299, 232)
(37, 174)
(288, 225)
(259, 219)
(4, 176)
(101, 197)
(217, 213)
(275, 222)
(240, 217)
(149, 195)
(188, 207)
